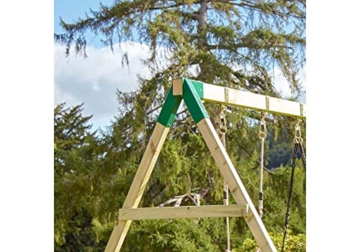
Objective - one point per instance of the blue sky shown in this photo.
(70, 10)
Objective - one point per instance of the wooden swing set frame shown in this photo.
(193, 93)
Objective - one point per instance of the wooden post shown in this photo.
(138, 186)
(165, 120)
(236, 186)
(230, 175)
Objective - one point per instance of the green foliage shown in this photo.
(75, 156)
(294, 243)
(279, 155)
(100, 170)
(229, 43)
(173, 235)
(69, 127)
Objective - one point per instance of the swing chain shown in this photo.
(297, 146)
(262, 136)
(223, 130)
(292, 179)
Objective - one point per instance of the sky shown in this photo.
(70, 10)
(94, 80)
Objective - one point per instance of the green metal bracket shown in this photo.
(192, 92)
(198, 85)
(169, 109)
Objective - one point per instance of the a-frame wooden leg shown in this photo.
(237, 188)
(138, 185)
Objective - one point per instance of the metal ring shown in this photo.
(262, 134)
(223, 130)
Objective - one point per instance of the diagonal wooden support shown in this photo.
(138, 186)
(145, 169)
(150, 213)
(227, 169)
(235, 184)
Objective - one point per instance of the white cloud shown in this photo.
(282, 85)
(95, 79)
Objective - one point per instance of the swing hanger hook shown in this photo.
(298, 138)
(263, 131)
(223, 128)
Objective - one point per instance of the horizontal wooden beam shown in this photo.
(233, 97)
(150, 213)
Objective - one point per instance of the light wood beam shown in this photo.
(150, 213)
(138, 185)
(236, 186)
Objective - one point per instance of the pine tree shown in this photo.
(74, 148)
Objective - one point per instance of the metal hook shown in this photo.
(298, 138)
(223, 128)
(263, 131)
